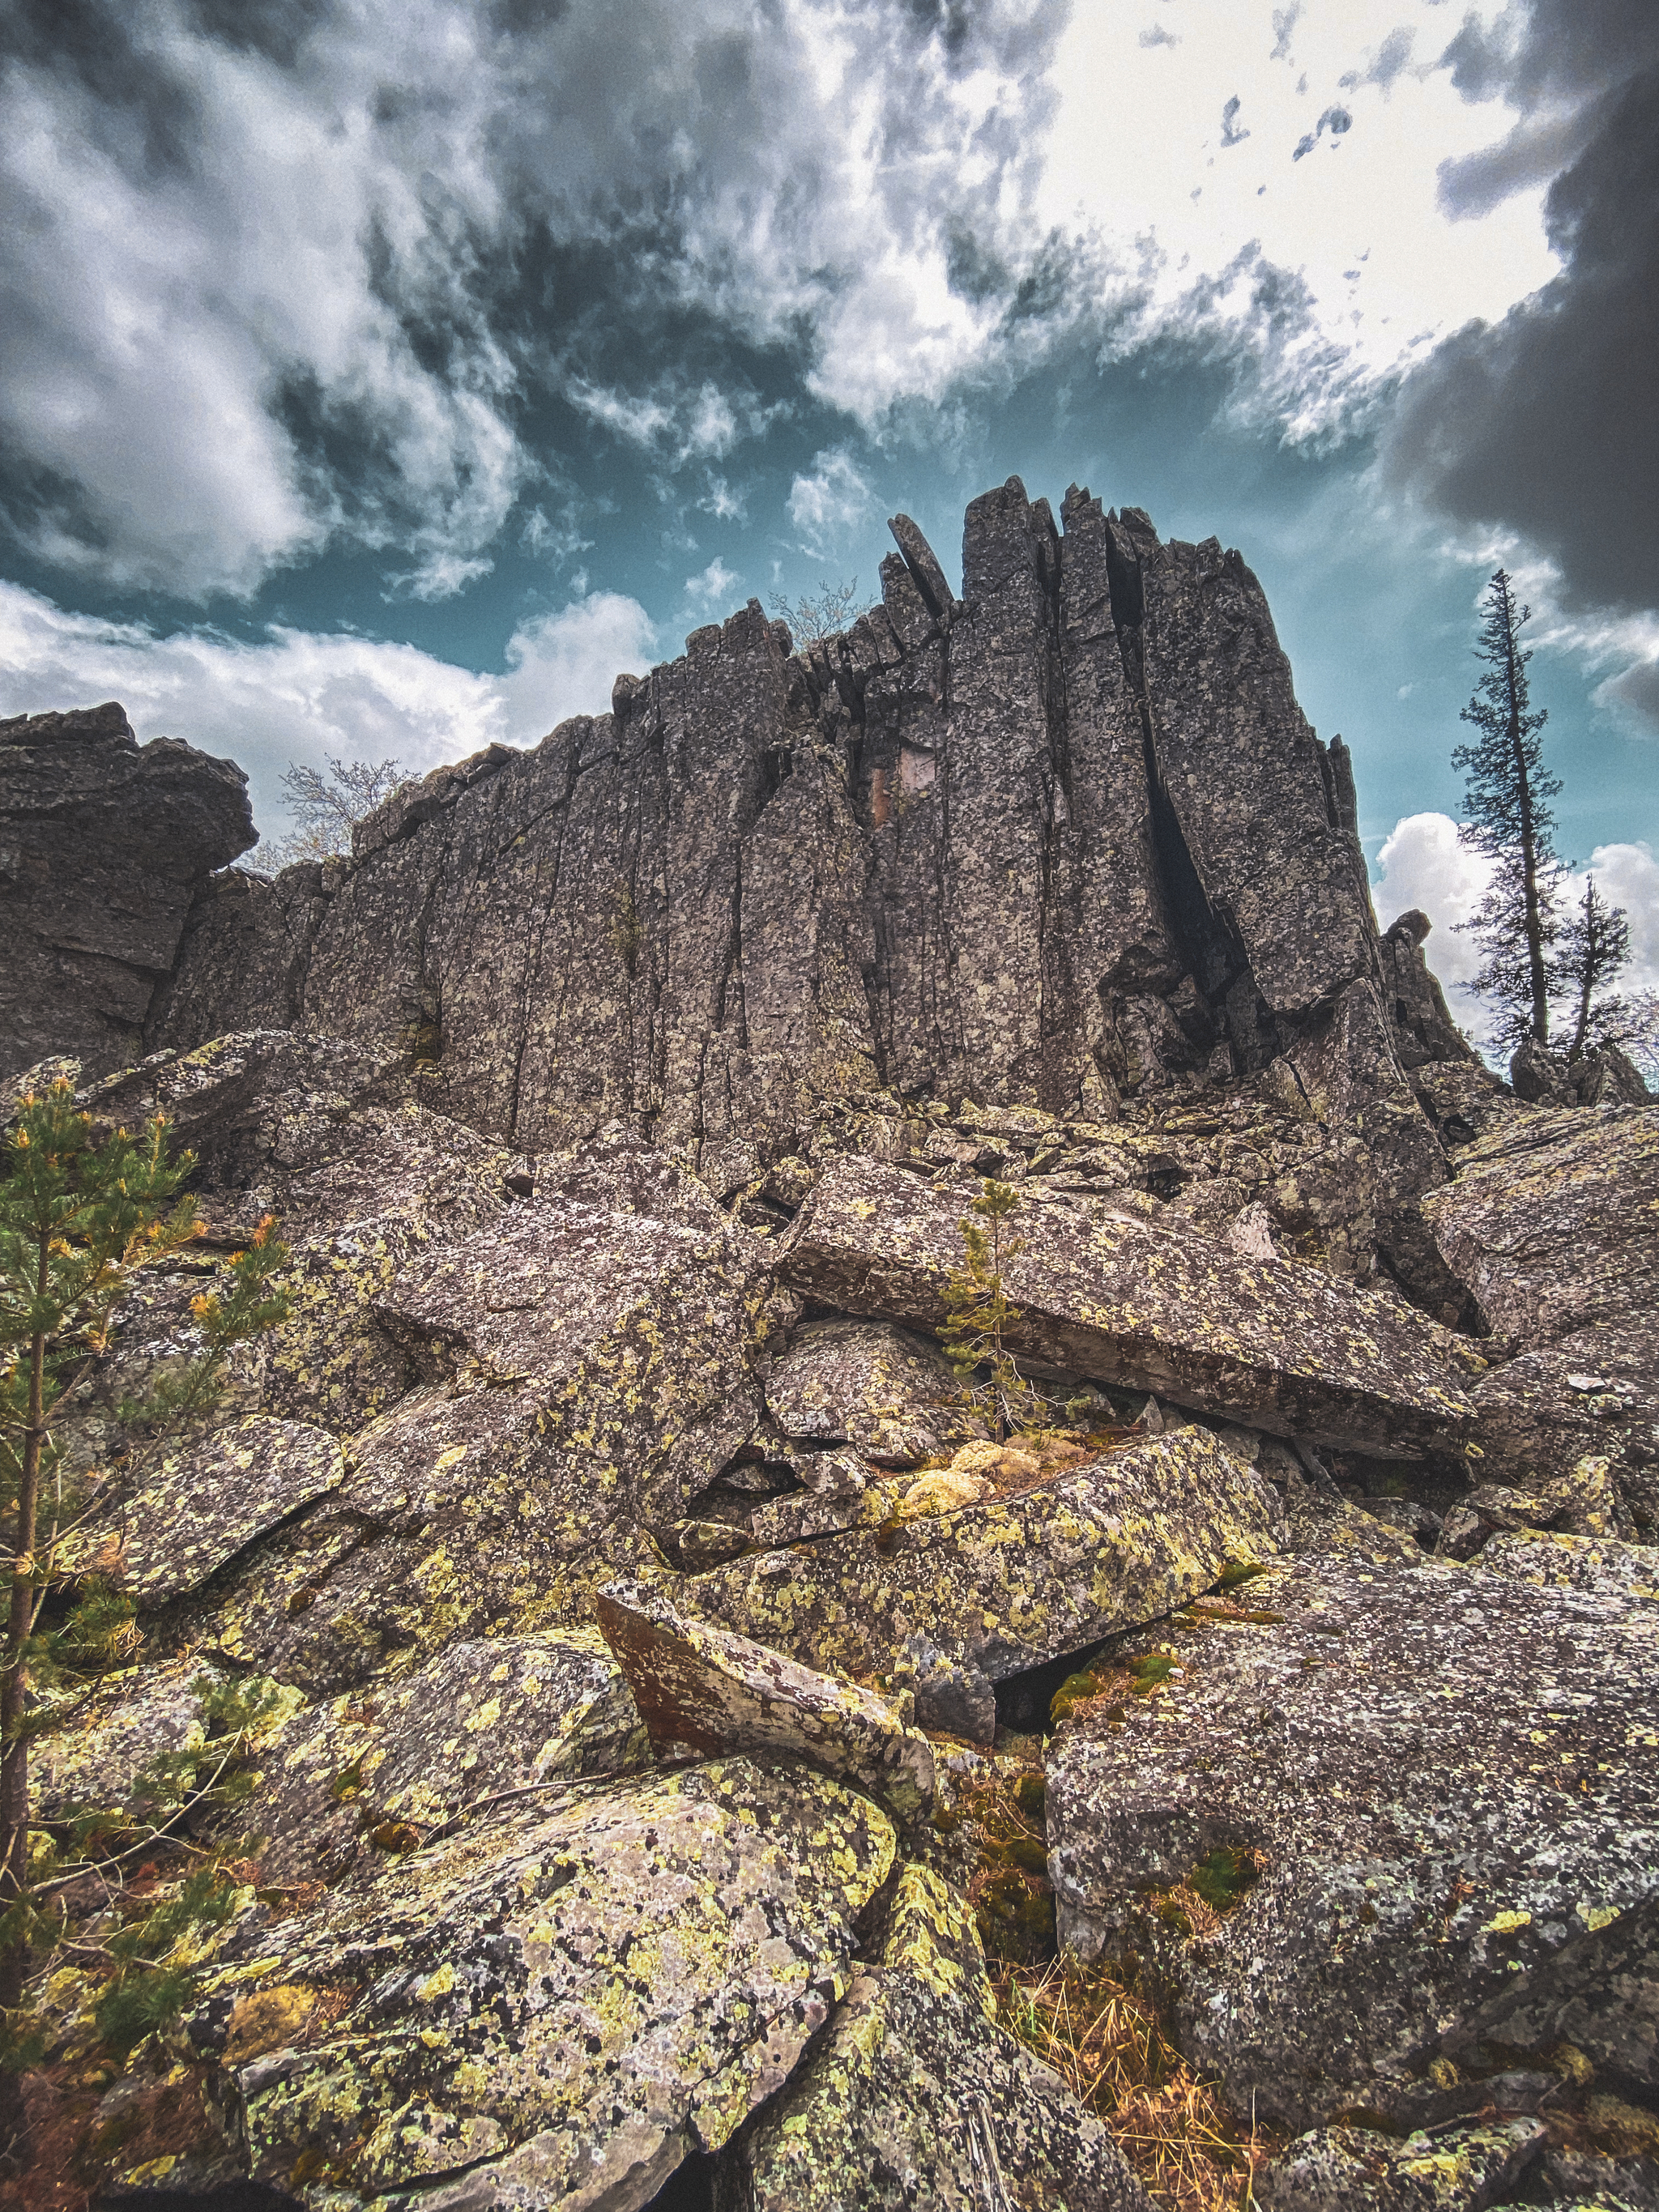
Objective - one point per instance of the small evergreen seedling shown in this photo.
(977, 1306)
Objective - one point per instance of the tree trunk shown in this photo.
(1535, 923)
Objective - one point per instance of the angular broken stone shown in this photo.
(704, 1690)
(202, 1505)
(554, 2011)
(915, 2079)
(891, 1393)
(1415, 1797)
(1265, 1342)
(592, 1373)
(1014, 1581)
(1551, 1560)
(1552, 1222)
(498, 1720)
(1357, 2170)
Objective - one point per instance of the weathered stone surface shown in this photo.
(1550, 1560)
(705, 1690)
(869, 1384)
(1552, 1221)
(1437, 1795)
(1424, 1028)
(1357, 2170)
(916, 2096)
(321, 1134)
(1016, 1580)
(550, 2014)
(1065, 841)
(1593, 1394)
(106, 1738)
(102, 843)
(1157, 1307)
(202, 1505)
(504, 1719)
(590, 1372)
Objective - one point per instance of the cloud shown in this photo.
(1231, 133)
(1635, 693)
(1540, 425)
(1158, 36)
(714, 588)
(1285, 23)
(1337, 120)
(295, 695)
(1425, 865)
(826, 505)
(566, 663)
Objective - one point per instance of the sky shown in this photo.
(378, 378)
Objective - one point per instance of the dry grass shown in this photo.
(1190, 2153)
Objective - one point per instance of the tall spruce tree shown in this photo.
(1507, 793)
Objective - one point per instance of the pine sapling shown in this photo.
(978, 1309)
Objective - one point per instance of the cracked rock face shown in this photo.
(1018, 1579)
(103, 843)
(1430, 1803)
(1157, 1307)
(883, 1390)
(915, 2087)
(556, 2014)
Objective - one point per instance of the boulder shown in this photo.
(101, 1745)
(549, 2011)
(1549, 1560)
(505, 1720)
(892, 1394)
(103, 842)
(197, 1508)
(1157, 1307)
(1370, 1805)
(916, 2096)
(590, 1372)
(1357, 2170)
(1016, 1580)
(1594, 1395)
(1552, 1222)
(323, 1136)
(705, 1690)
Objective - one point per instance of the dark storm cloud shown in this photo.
(1545, 424)
(332, 266)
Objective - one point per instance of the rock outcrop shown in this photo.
(104, 843)
(657, 1739)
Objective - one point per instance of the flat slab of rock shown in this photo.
(1018, 1579)
(1278, 1345)
(1413, 1793)
(485, 1721)
(1552, 1222)
(550, 2014)
(1550, 1560)
(867, 1383)
(706, 1690)
(590, 1372)
(202, 1505)
(916, 2089)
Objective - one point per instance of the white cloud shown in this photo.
(294, 695)
(826, 505)
(565, 663)
(1425, 865)
(713, 588)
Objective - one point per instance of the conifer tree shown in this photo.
(977, 1305)
(1594, 946)
(1507, 794)
(81, 1216)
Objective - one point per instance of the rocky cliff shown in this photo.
(689, 1759)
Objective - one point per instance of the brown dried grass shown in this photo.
(1190, 2152)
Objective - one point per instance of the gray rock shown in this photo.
(916, 2096)
(1156, 1307)
(1379, 1812)
(889, 1392)
(504, 1720)
(1357, 2170)
(1016, 1580)
(1550, 1560)
(553, 2011)
(103, 842)
(704, 1690)
(953, 1696)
